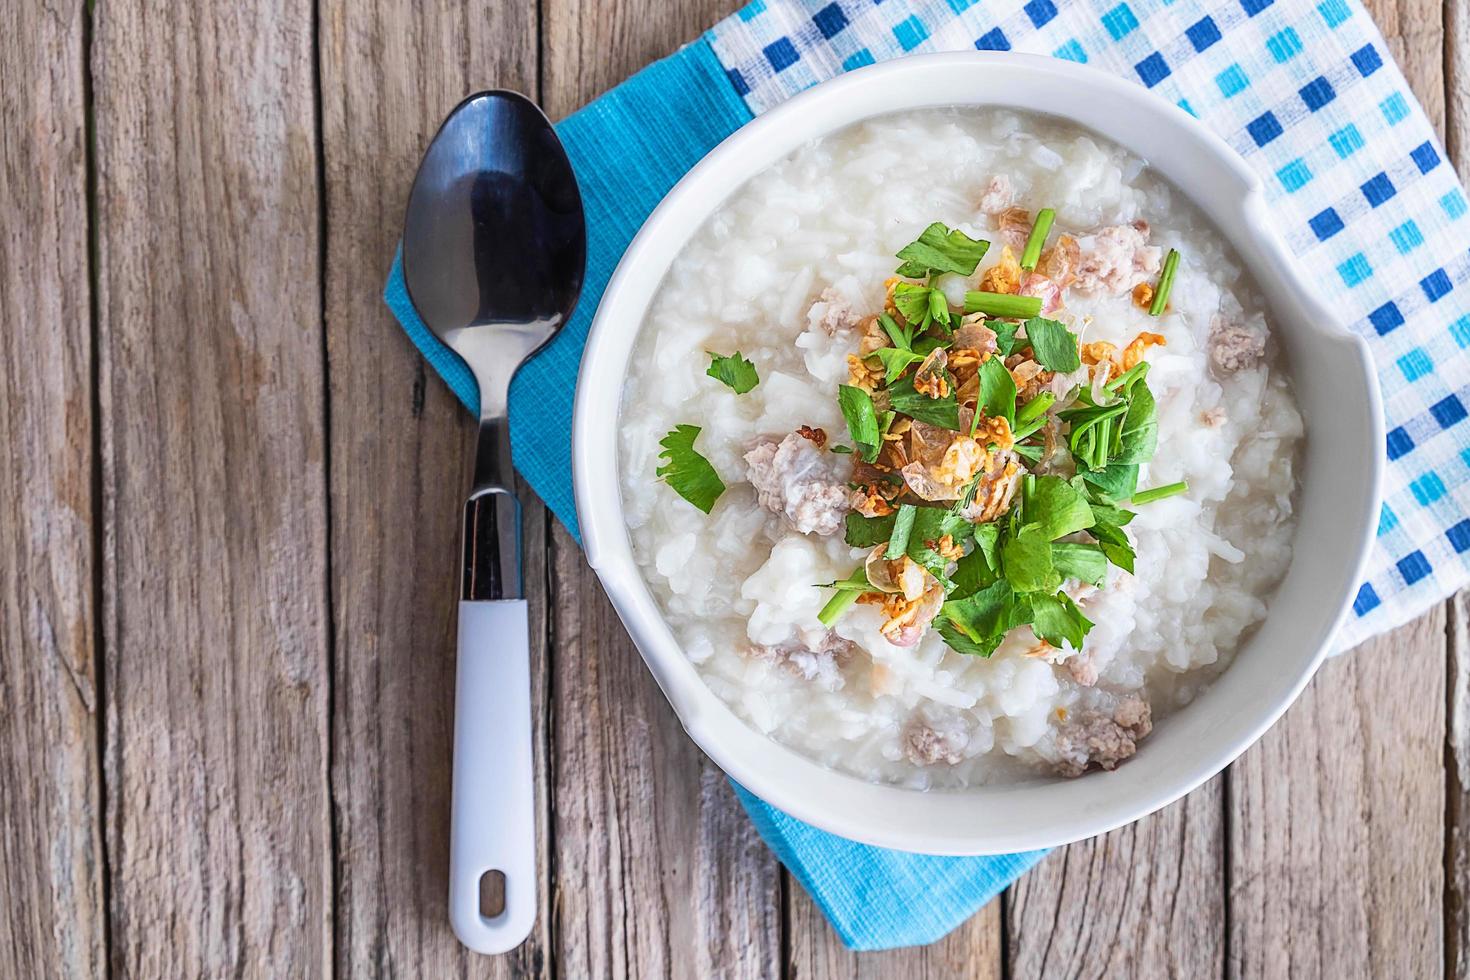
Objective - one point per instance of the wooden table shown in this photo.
(229, 511)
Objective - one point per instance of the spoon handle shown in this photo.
(492, 825)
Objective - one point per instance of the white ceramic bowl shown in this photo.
(1334, 384)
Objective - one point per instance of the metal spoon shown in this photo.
(494, 248)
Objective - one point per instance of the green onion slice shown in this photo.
(1159, 493)
(1002, 304)
(1039, 231)
(836, 606)
(1035, 407)
(1126, 379)
(1166, 283)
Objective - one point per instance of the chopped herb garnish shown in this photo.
(1138, 435)
(1054, 507)
(1002, 304)
(958, 640)
(1032, 253)
(1110, 536)
(912, 301)
(937, 250)
(1123, 431)
(1091, 436)
(1035, 408)
(1009, 571)
(1117, 480)
(1028, 564)
(921, 305)
(1056, 618)
(923, 346)
(902, 339)
(840, 602)
(931, 524)
(865, 532)
(1028, 430)
(1030, 453)
(857, 580)
(839, 449)
(981, 566)
(734, 371)
(896, 361)
(943, 412)
(1054, 345)
(1166, 283)
(862, 420)
(1005, 336)
(1159, 493)
(1128, 377)
(989, 613)
(690, 474)
(1083, 562)
(848, 590)
(967, 497)
(997, 393)
(903, 523)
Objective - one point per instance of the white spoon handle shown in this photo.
(493, 824)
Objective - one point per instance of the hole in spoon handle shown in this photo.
(493, 823)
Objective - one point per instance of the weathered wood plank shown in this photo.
(1457, 792)
(1457, 85)
(1337, 821)
(1191, 833)
(971, 952)
(1337, 815)
(1457, 739)
(1146, 900)
(658, 873)
(215, 618)
(52, 920)
(401, 451)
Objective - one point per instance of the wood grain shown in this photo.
(1146, 900)
(658, 872)
(52, 919)
(1457, 786)
(972, 952)
(591, 45)
(211, 391)
(401, 451)
(1457, 736)
(1337, 815)
(1457, 84)
(275, 557)
(1336, 837)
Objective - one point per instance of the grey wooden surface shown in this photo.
(228, 510)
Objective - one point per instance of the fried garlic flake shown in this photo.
(1004, 276)
(860, 375)
(1134, 352)
(930, 378)
(996, 432)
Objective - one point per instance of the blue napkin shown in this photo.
(1305, 92)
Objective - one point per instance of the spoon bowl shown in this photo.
(494, 234)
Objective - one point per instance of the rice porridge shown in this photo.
(955, 449)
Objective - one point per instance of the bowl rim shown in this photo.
(605, 534)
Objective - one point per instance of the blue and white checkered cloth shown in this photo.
(1309, 96)
(1305, 92)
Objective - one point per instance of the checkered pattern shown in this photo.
(1308, 94)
